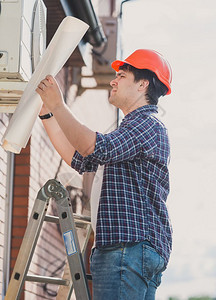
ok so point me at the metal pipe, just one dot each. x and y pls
(84, 10)
(8, 221)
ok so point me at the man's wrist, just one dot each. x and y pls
(46, 116)
(59, 108)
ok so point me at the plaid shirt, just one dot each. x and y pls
(135, 184)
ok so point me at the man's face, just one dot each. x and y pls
(124, 90)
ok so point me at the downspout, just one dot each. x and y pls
(84, 11)
(119, 54)
(8, 222)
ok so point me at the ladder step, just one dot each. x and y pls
(81, 217)
(79, 220)
(51, 219)
(55, 219)
(46, 279)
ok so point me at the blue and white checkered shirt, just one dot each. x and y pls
(135, 186)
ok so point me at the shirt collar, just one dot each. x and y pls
(146, 109)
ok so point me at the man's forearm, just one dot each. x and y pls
(79, 136)
(58, 139)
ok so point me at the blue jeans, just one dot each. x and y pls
(126, 271)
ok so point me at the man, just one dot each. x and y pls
(133, 233)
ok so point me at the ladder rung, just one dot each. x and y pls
(79, 218)
(45, 279)
(51, 219)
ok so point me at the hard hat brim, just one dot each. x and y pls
(117, 63)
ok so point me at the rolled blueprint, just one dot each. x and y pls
(63, 43)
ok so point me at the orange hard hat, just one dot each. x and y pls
(151, 60)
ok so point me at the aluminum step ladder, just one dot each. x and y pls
(55, 190)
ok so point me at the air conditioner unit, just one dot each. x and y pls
(23, 41)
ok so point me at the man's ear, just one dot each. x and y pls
(143, 84)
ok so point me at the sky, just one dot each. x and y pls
(185, 33)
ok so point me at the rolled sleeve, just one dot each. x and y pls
(119, 145)
(90, 163)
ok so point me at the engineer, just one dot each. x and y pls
(133, 238)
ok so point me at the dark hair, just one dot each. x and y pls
(155, 89)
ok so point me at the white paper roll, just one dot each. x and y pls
(63, 43)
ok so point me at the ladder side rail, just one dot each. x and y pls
(73, 251)
(67, 290)
(27, 247)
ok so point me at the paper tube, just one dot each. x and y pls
(63, 43)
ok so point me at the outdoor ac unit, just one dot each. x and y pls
(22, 43)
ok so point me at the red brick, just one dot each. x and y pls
(18, 231)
(22, 170)
(20, 201)
(13, 261)
(21, 180)
(21, 191)
(20, 211)
(16, 242)
(20, 221)
(22, 159)
(14, 252)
